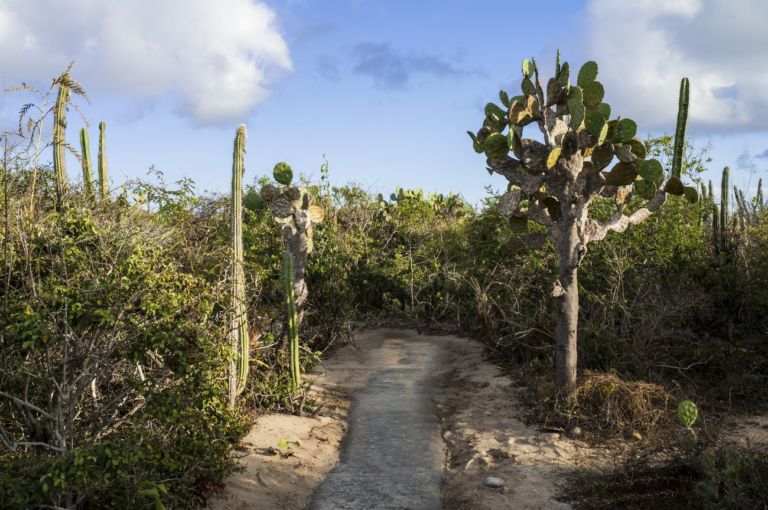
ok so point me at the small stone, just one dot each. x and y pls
(494, 482)
(637, 435)
(576, 431)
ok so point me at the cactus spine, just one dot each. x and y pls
(724, 192)
(103, 178)
(293, 323)
(682, 120)
(239, 339)
(59, 143)
(85, 149)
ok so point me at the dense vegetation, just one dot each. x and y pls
(114, 353)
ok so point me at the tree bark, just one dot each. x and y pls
(566, 294)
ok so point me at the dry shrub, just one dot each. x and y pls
(605, 404)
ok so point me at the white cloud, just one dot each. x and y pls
(216, 57)
(644, 47)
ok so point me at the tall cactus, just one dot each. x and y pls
(724, 192)
(553, 179)
(715, 228)
(293, 323)
(759, 200)
(85, 149)
(682, 120)
(239, 339)
(103, 176)
(59, 141)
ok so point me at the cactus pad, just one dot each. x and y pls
(283, 173)
(651, 170)
(645, 189)
(593, 93)
(527, 86)
(687, 413)
(577, 116)
(674, 186)
(691, 194)
(564, 76)
(624, 131)
(496, 146)
(595, 124)
(493, 109)
(552, 158)
(605, 109)
(621, 174)
(602, 155)
(587, 74)
(527, 68)
(504, 98)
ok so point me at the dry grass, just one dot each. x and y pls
(604, 404)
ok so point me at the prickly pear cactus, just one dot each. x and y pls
(583, 155)
(294, 211)
(687, 413)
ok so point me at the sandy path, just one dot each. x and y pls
(403, 389)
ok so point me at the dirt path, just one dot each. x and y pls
(393, 454)
(387, 401)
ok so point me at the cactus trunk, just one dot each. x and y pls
(293, 322)
(59, 143)
(85, 149)
(239, 338)
(103, 177)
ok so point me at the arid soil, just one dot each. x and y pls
(286, 458)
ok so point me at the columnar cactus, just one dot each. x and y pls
(59, 140)
(724, 221)
(293, 325)
(553, 181)
(103, 177)
(85, 149)
(238, 330)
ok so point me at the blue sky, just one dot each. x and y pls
(385, 89)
